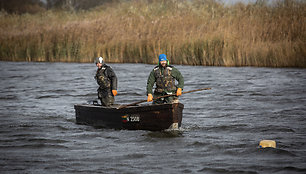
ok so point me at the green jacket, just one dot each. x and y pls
(164, 79)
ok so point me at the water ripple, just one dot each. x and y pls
(220, 132)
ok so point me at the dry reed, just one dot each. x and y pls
(198, 32)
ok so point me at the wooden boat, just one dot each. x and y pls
(146, 117)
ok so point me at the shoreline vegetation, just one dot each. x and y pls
(196, 32)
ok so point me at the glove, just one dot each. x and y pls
(114, 92)
(179, 91)
(150, 98)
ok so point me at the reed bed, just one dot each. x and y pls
(198, 32)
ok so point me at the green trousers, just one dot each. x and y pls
(106, 97)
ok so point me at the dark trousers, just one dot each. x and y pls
(106, 97)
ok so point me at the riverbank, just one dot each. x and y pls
(194, 32)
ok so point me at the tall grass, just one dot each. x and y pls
(198, 32)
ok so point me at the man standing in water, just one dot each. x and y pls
(164, 75)
(107, 81)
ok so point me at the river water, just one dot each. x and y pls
(220, 133)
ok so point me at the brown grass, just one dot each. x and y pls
(190, 32)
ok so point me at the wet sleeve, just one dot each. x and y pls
(112, 76)
(97, 78)
(178, 76)
(150, 82)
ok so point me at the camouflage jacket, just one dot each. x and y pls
(165, 77)
(106, 78)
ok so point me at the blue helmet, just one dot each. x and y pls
(162, 57)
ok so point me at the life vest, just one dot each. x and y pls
(164, 81)
(102, 78)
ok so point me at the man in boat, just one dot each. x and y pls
(164, 75)
(107, 81)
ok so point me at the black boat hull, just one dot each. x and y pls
(147, 117)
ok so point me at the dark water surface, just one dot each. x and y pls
(220, 133)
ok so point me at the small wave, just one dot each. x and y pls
(26, 138)
(15, 76)
(135, 156)
(257, 94)
(44, 140)
(78, 78)
(112, 138)
(60, 91)
(21, 135)
(198, 144)
(275, 151)
(47, 96)
(62, 128)
(64, 95)
(22, 125)
(292, 169)
(187, 127)
(10, 87)
(8, 97)
(234, 95)
(71, 120)
(33, 146)
(232, 128)
(81, 95)
(130, 94)
(165, 134)
(274, 129)
(227, 171)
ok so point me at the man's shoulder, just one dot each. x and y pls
(108, 67)
(171, 67)
(156, 68)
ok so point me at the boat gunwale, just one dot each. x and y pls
(133, 108)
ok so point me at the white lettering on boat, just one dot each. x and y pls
(133, 118)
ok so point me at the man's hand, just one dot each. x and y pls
(150, 98)
(179, 91)
(114, 92)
